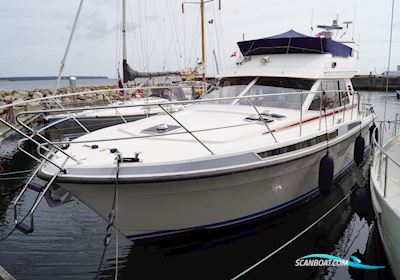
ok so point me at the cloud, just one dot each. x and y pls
(34, 34)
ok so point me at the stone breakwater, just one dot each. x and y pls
(36, 93)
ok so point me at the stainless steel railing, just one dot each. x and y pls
(55, 145)
(382, 158)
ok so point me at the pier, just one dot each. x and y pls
(375, 83)
(4, 275)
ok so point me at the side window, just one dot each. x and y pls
(336, 95)
(316, 104)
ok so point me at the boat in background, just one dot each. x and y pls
(120, 111)
(385, 190)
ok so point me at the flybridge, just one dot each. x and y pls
(294, 42)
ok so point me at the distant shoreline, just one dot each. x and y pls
(43, 78)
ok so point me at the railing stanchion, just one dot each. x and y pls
(334, 108)
(396, 122)
(301, 112)
(262, 119)
(343, 100)
(116, 109)
(385, 179)
(352, 104)
(320, 109)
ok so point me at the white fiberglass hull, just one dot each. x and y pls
(152, 209)
(388, 225)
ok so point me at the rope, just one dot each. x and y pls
(111, 218)
(17, 172)
(14, 178)
(294, 238)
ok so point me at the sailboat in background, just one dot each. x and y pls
(73, 125)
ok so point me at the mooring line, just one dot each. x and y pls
(294, 238)
(111, 219)
(16, 172)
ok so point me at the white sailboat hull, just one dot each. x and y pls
(152, 209)
(389, 229)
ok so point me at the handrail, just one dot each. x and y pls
(183, 102)
(381, 151)
(203, 100)
(376, 144)
(100, 91)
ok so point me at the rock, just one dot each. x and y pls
(23, 94)
(38, 94)
(81, 97)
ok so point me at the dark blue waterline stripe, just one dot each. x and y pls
(244, 218)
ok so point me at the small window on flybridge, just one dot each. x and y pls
(336, 95)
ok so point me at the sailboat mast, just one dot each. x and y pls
(124, 51)
(203, 44)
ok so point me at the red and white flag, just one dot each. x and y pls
(234, 54)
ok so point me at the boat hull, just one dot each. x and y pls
(389, 227)
(153, 209)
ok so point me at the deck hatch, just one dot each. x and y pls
(160, 129)
(255, 117)
(298, 146)
(272, 115)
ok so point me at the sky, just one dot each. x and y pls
(34, 34)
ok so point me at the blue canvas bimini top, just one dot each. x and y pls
(294, 42)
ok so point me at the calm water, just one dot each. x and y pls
(68, 240)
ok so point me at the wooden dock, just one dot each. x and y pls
(4, 275)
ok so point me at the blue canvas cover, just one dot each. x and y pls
(294, 42)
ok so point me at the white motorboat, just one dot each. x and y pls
(385, 194)
(283, 123)
(118, 111)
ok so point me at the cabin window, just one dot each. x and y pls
(265, 87)
(336, 95)
(172, 94)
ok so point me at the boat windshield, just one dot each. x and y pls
(234, 87)
(172, 94)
